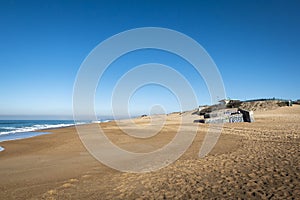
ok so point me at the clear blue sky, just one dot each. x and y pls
(255, 44)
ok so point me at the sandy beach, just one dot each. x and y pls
(259, 160)
(123, 100)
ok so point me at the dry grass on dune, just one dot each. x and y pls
(262, 105)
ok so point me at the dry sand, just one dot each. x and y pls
(250, 161)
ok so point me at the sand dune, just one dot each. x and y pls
(259, 160)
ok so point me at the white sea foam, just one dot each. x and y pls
(11, 130)
(8, 128)
(33, 128)
(15, 133)
(101, 121)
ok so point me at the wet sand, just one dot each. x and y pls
(259, 160)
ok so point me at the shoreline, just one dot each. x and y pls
(21, 135)
(38, 132)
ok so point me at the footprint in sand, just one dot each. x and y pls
(86, 176)
(52, 192)
(73, 180)
(50, 195)
(70, 183)
(67, 185)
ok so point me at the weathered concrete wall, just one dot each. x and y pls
(236, 118)
(225, 119)
(247, 115)
(220, 113)
(228, 115)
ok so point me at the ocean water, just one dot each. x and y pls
(21, 126)
(20, 129)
